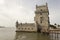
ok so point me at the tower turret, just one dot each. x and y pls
(16, 23)
(42, 17)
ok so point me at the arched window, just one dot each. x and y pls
(32, 28)
(40, 13)
(41, 9)
(25, 28)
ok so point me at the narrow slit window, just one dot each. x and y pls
(40, 19)
(40, 13)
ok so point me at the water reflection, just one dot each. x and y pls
(55, 36)
(10, 34)
(30, 36)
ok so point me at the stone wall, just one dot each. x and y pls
(27, 27)
(42, 17)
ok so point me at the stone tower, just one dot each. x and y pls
(42, 18)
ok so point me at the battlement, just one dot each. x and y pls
(26, 24)
(42, 8)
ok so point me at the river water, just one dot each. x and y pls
(10, 34)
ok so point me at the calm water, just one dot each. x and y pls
(10, 34)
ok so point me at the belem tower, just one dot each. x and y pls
(41, 21)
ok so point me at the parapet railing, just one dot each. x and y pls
(54, 34)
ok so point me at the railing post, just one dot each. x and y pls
(55, 34)
(52, 35)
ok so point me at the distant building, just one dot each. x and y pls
(41, 21)
(57, 26)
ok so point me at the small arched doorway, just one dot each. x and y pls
(39, 28)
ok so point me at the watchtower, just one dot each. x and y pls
(42, 18)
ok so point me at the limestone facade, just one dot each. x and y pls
(41, 21)
(26, 27)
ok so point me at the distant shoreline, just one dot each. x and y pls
(2, 27)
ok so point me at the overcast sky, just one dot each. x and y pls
(23, 11)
